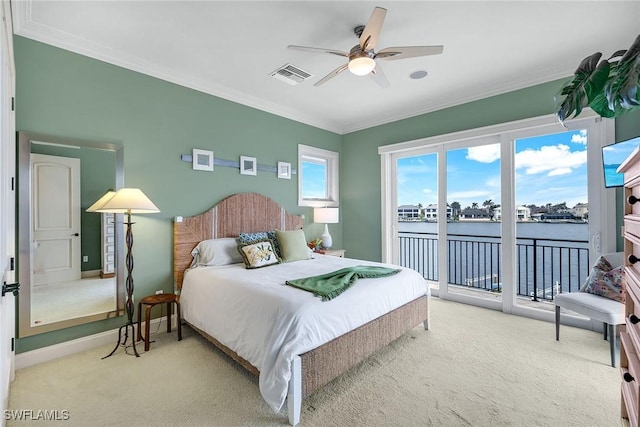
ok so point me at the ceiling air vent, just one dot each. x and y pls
(291, 74)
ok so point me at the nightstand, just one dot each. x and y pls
(332, 252)
(149, 302)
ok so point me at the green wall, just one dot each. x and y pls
(68, 95)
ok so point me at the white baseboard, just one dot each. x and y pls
(90, 273)
(45, 354)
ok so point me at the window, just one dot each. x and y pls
(317, 177)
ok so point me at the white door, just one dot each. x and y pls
(55, 219)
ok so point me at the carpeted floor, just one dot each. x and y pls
(67, 300)
(475, 367)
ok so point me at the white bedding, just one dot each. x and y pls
(267, 322)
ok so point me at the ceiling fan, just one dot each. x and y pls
(362, 57)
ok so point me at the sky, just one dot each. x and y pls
(548, 169)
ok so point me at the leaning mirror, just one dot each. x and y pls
(70, 263)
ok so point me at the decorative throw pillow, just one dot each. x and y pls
(258, 254)
(293, 245)
(603, 264)
(216, 252)
(260, 236)
(608, 284)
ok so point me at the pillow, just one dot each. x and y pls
(216, 252)
(260, 236)
(608, 284)
(603, 264)
(258, 254)
(293, 245)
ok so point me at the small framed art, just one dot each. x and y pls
(202, 160)
(248, 165)
(284, 170)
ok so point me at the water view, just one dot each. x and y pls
(552, 256)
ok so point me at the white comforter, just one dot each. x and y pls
(267, 322)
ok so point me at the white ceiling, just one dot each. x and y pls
(229, 48)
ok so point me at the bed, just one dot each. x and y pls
(304, 357)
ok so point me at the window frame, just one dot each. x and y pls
(307, 153)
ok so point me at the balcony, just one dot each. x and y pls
(545, 266)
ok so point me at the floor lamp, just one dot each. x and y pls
(126, 201)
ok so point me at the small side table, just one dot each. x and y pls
(149, 302)
(332, 252)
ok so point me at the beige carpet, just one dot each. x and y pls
(56, 302)
(476, 367)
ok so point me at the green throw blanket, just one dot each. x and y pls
(330, 285)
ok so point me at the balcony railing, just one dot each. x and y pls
(544, 266)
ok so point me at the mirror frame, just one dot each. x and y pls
(25, 139)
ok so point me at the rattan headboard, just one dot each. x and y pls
(244, 212)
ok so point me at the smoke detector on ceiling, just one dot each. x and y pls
(291, 74)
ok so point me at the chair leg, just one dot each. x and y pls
(604, 326)
(557, 323)
(612, 344)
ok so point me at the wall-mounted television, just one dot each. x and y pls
(612, 156)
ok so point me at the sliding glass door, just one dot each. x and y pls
(502, 217)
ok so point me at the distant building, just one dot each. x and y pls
(581, 210)
(408, 213)
(431, 212)
(474, 214)
(556, 216)
(523, 213)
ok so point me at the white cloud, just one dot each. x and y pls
(484, 153)
(580, 138)
(471, 194)
(560, 171)
(553, 159)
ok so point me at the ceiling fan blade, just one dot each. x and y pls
(371, 32)
(332, 74)
(393, 53)
(319, 50)
(378, 76)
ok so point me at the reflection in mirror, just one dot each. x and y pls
(70, 264)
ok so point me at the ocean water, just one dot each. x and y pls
(560, 257)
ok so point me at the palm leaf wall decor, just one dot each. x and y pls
(608, 86)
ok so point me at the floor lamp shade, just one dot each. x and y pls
(127, 201)
(101, 201)
(326, 216)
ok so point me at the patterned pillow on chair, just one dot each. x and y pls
(606, 281)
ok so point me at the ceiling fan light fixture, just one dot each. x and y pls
(362, 65)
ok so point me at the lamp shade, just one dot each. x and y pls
(101, 201)
(128, 200)
(326, 215)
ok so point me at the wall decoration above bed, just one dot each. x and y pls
(248, 165)
(202, 160)
(284, 170)
(281, 172)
